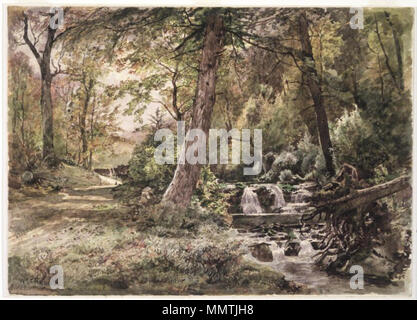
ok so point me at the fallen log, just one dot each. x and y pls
(361, 197)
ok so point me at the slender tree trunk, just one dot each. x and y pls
(186, 175)
(83, 119)
(66, 143)
(15, 99)
(364, 196)
(90, 161)
(313, 84)
(46, 98)
(355, 92)
(400, 71)
(387, 63)
(44, 62)
(47, 116)
(22, 127)
(83, 133)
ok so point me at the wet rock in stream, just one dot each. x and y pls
(292, 248)
(280, 236)
(315, 244)
(262, 252)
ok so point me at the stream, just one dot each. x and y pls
(288, 250)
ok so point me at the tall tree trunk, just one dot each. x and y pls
(387, 63)
(400, 71)
(47, 115)
(22, 126)
(83, 117)
(44, 62)
(186, 175)
(90, 160)
(313, 83)
(361, 197)
(88, 86)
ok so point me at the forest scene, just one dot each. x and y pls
(119, 185)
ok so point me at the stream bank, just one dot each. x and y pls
(277, 239)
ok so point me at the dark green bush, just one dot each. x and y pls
(356, 143)
(144, 171)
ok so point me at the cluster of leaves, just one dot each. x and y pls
(144, 171)
(24, 115)
(208, 192)
(177, 221)
(355, 143)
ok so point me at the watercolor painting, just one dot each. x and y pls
(209, 151)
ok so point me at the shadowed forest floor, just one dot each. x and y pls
(102, 251)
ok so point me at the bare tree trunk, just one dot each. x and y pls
(88, 85)
(47, 117)
(186, 175)
(83, 132)
(22, 126)
(400, 71)
(313, 84)
(362, 197)
(387, 63)
(90, 161)
(44, 62)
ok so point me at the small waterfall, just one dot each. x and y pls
(250, 202)
(306, 249)
(279, 201)
(301, 196)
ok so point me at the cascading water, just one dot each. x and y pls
(279, 201)
(250, 202)
(300, 267)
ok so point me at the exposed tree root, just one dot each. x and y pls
(355, 220)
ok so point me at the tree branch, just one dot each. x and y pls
(28, 42)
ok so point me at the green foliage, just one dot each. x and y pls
(204, 259)
(164, 219)
(285, 161)
(144, 171)
(287, 187)
(391, 125)
(24, 115)
(355, 143)
(194, 248)
(307, 153)
(209, 192)
(286, 176)
(280, 122)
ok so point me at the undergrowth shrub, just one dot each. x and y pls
(144, 171)
(354, 142)
(285, 160)
(209, 192)
(177, 221)
(307, 153)
(286, 176)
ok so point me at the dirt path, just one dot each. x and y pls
(38, 221)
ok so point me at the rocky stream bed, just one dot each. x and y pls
(270, 224)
